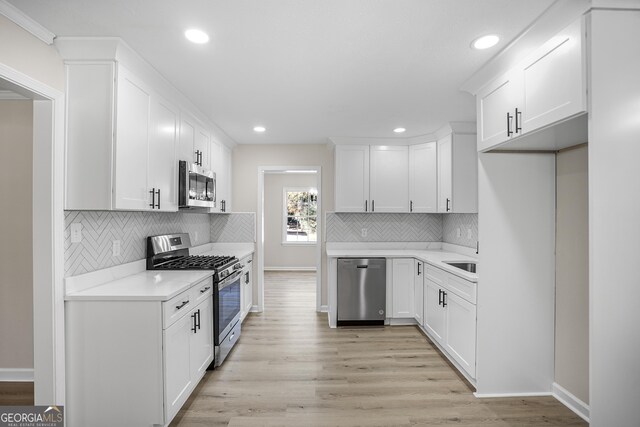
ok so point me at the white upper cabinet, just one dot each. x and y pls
(223, 180)
(163, 167)
(352, 178)
(120, 141)
(202, 149)
(215, 150)
(389, 178)
(546, 88)
(457, 174)
(187, 138)
(423, 178)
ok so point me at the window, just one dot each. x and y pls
(300, 216)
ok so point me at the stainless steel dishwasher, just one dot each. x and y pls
(362, 291)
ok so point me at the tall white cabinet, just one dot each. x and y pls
(457, 173)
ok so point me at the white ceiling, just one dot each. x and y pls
(307, 69)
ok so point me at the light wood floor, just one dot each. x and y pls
(291, 369)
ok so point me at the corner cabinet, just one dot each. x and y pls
(121, 141)
(457, 173)
(547, 87)
(145, 360)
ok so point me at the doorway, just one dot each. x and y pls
(47, 231)
(295, 227)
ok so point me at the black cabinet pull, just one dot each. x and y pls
(509, 131)
(444, 299)
(477, 247)
(373, 206)
(439, 296)
(158, 204)
(198, 319)
(419, 268)
(518, 116)
(194, 327)
(246, 278)
(178, 307)
(448, 202)
(153, 198)
(366, 207)
(411, 206)
(202, 291)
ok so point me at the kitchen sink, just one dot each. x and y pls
(466, 266)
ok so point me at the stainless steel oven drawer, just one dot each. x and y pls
(227, 344)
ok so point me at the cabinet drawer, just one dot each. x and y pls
(463, 288)
(177, 307)
(201, 291)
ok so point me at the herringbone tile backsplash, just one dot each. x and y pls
(234, 228)
(101, 228)
(347, 227)
(450, 225)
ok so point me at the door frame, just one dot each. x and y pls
(260, 235)
(48, 233)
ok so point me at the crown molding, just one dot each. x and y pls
(19, 18)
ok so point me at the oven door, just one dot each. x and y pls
(228, 305)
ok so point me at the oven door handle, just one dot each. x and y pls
(229, 279)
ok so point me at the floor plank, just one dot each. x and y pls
(16, 393)
(291, 369)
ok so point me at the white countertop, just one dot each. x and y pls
(435, 257)
(133, 282)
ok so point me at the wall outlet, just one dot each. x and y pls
(458, 232)
(116, 248)
(76, 232)
(364, 232)
(469, 233)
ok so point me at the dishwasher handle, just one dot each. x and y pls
(363, 266)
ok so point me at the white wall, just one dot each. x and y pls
(24, 52)
(572, 272)
(614, 218)
(247, 159)
(16, 261)
(277, 255)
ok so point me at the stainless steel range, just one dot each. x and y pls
(171, 252)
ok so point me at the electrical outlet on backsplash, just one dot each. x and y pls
(452, 223)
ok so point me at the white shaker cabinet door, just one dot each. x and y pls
(461, 332)
(496, 105)
(445, 174)
(418, 292)
(132, 141)
(554, 80)
(201, 339)
(389, 178)
(187, 138)
(402, 288)
(163, 165)
(177, 359)
(352, 178)
(434, 314)
(202, 147)
(423, 178)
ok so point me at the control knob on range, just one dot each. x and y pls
(238, 266)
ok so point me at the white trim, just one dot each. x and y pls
(324, 309)
(16, 375)
(491, 395)
(260, 234)
(290, 269)
(567, 398)
(48, 237)
(19, 18)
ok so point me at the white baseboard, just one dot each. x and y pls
(533, 394)
(324, 309)
(290, 269)
(254, 309)
(16, 375)
(570, 401)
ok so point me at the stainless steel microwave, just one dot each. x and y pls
(196, 187)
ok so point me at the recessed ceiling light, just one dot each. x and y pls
(259, 129)
(485, 42)
(399, 130)
(196, 36)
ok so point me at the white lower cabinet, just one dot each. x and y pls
(450, 316)
(142, 357)
(418, 292)
(402, 288)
